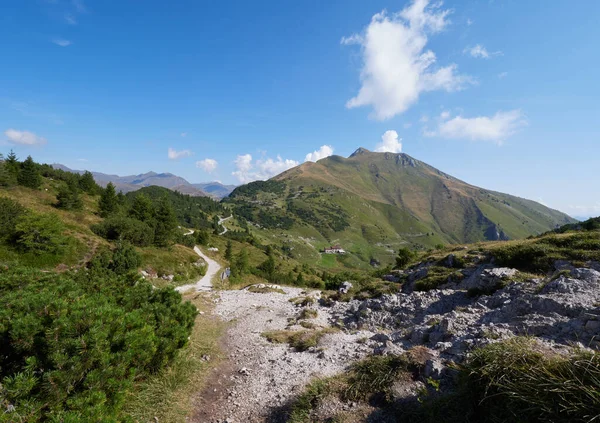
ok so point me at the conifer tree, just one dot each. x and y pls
(166, 223)
(142, 209)
(108, 204)
(68, 197)
(87, 183)
(228, 251)
(12, 164)
(29, 175)
(6, 177)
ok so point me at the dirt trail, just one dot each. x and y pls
(205, 283)
(260, 378)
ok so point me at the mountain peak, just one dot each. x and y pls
(360, 151)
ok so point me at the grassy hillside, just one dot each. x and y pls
(374, 203)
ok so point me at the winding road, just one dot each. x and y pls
(205, 283)
(221, 220)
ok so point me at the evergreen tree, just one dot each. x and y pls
(121, 199)
(87, 183)
(216, 226)
(142, 209)
(6, 177)
(202, 237)
(300, 279)
(228, 251)
(108, 204)
(240, 264)
(10, 213)
(29, 175)
(68, 197)
(268, 267)
(405, 256)
(12, 164)
(166, 223)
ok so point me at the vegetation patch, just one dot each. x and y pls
(265, 289)
(510, 381)
(538, 255)
(437, 276)
(168, 395)
(75, 343)
(300, 340)
(308, 313)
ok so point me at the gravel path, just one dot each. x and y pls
(221, 220)
(205, 283)
(260, 378)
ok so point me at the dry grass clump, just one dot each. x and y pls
(301, 340)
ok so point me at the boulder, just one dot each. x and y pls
(487, 279)
(345, 287)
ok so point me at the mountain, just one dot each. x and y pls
(216, 189)
(379, 201)
(166, 180)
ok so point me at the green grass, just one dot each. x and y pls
(538, 255)
(177, 260)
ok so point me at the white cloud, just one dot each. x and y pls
(261, 169)
(482, 128)
(79, 6)
(396, 67)
(208, 165)
(480, 52)
(445, 114)
(24, 137)
(321, 153)
(407, 125)
(71, 20)
(502, 75)
(176, 155)
(184, 134)
(83, 160)
(470, 22)
(62, 42)
(390, 143)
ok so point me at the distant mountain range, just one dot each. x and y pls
(166, 180)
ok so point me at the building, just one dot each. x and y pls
(334, 249)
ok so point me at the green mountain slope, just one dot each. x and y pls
(375, 202)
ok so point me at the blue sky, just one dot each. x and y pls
(502, 94)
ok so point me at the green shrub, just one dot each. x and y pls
(39, 233)
(73, 344)
(10, 213)
(125, 229)
(125, 258)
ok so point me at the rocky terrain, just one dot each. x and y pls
(261, 377)
(561, 310)
(488, 305)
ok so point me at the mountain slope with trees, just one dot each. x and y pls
(371, 202)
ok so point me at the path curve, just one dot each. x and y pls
(205, 283)
(221, 220)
